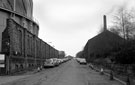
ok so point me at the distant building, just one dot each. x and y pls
(61, 54)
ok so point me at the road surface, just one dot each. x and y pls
(69, 73)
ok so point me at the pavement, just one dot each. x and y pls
(69, 73)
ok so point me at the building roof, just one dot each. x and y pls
(103, 42)
(23, 7)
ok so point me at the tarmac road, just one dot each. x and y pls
(69, 73)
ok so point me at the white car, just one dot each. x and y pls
(81, 60)
(59, 61)
(55, 61)
(49, 63)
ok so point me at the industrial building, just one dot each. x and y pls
(102, 44)
(19, 10)
(20, 47)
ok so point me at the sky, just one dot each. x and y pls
(68, 24)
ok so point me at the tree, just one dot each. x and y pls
(79, 54)
(124, 23)
(125, 54)
(115, 30)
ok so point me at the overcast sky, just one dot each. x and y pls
(68, 24)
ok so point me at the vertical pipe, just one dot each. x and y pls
(14, 5)
(105, 23)
(14, 8)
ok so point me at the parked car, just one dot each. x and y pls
(55, 61)
(49, 63)
(81, 60)
(59, 61)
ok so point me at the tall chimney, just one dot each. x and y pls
(105, 23)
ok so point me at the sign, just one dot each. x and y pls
(2, 60)
(2, 57)
(2, 65)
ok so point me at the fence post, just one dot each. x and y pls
(128, 77)
(128, 81)
(111, 75)
(102, 71)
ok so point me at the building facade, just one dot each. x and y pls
(23, 50)
(19, 40)
(102, 44)
(19, 10)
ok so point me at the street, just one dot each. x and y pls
(69, 73)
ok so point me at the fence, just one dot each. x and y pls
(121, 71)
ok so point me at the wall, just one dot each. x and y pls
(23, 7)
(27, 24)
(23, 49)
(3, 17)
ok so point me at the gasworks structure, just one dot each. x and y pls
(19, 42)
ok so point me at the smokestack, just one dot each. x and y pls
(105, 23)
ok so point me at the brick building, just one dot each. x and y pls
(19, 40)
(19, 10)
(102, 44)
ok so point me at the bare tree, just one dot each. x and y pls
(115, 30)
(124, 23)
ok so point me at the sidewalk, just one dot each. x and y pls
(10, 78)
(116, 77)
(5, 79)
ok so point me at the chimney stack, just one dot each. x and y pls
(105, 23)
